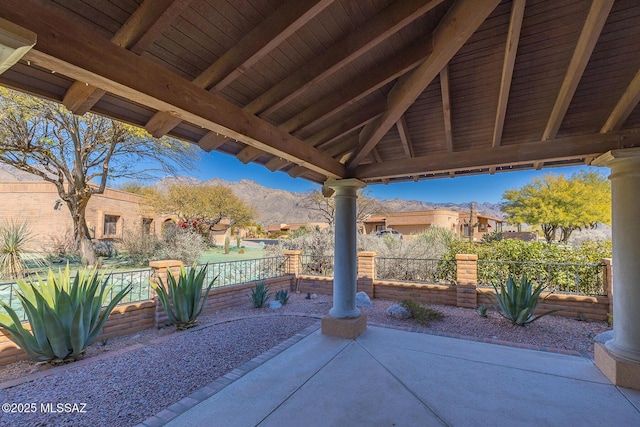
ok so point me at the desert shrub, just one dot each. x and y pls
(105, 249)
(141, 247)
(185, 245)
(15, 256)
(536, 259)
(421, 314)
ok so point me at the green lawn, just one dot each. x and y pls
(218, 255)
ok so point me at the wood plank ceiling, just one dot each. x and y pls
(378, 90)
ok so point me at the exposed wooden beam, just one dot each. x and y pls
(361, 86)
(331, 133)
(297, 171)
(99, 62)
(209, 142)
(515, 154)
(510, 50)
(376, 156)
(446, 108)
(265, 37)
(377, 29)
(81, 97)
(586, 42)
(355, 90)
(624, 107)
(160, 124)
(405, 138)
(457, 26)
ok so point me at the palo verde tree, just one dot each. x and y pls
(80, 154)
(560, 204)
(202, 207)
(325, 207)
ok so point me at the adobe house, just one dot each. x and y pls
(279, 229)
(350, 93)
(24, 197)
(416, 222)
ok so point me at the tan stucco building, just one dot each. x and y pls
(417, 222)
(109, 215)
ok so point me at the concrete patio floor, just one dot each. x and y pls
(388, 377)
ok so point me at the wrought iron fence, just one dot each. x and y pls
(140, 291)
(584, 279)
(242, 271)
(433, 271)
(314, 265)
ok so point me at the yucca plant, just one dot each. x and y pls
(65, 314)
(181, 298)
(518, 302)
(14, 237)
(260, 295)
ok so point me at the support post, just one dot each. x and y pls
(344, 319)
(467, 280)
(159, 271)
(619, 358)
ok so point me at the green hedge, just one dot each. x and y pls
(561, 268)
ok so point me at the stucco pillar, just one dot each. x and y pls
(624, 349)
(345, 273)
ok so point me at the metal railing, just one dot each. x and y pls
(140, 291)
(584, 279)
(431, 271)
(242, 271)
(314, 265)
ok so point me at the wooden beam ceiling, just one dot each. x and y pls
(510, 50)
(624, 107)
(256, 44)
(354, 90)
(446, 108)
(405, 137)
(516, 154)
(83, 55)
(149, 20)
(458, 25)
(586, 42)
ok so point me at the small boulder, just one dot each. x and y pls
(314, 296)
(363, 300)
(399, 311)
(274, 305)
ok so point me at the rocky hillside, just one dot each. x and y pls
(281, 206)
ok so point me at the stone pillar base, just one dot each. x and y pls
(344, 328)
(621, 372)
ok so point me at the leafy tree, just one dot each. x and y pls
(202, 207)
(325, 207)
(557, 203)
(80, 154)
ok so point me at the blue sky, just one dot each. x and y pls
(478, 188)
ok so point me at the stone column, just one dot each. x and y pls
(345, 263)
(623, 351)
(366, 272)
(467, 280)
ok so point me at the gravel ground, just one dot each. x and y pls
(128, 387)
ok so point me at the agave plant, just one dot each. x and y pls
(181, 298)
(518, 302)
(65, 314)
(260, 295)
(282, 296)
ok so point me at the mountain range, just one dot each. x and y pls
(275, 206)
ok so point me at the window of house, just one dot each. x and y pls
(379, 227)
(110, 224)
(146, 225)
(482, 227)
